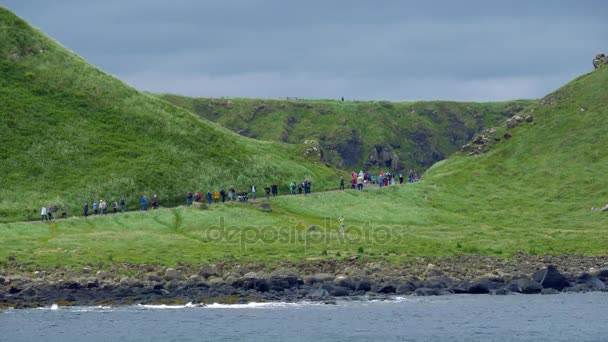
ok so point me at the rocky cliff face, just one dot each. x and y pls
(600, 60)
(354, 135)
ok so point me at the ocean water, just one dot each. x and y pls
(563, 317)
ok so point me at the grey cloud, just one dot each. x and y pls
(396, 50)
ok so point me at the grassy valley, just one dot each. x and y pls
(358, 134)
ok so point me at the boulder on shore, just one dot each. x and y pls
(550, 277)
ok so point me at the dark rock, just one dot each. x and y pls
(11, 258)
(73, 285)
(364, 285)
(93, 284)
(28, 292)
(527, 286)
(405, 288)
(261, 285)
(152, 277)
(576, 288)
(173, 274)
(551, 278)
(209, 271)
(328, 287)
(425, 292)
(602, 274)
(345, 282)
(283, 277)
(460, 288)
(592, 282)
(318, 294)
(14, 290)
(319, 278)
(313, 228)
(340, 291)
(387, 289)
(480, 287)
(514, 286)
(549, 291)
(437, 282)
(503, 292)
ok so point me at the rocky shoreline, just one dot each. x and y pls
(116, 284)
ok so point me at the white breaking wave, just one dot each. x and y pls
(163, 306)
(255, 305)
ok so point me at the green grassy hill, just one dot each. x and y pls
(530, 194)
(76, 133)
(71, 133)
(367, 135)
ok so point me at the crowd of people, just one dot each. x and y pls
(48, 211)
(358, 181)
(101, 207)
(232, 195)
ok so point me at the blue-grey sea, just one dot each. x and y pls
(563, 317)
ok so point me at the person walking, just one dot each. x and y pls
(292, 188)
(360, 182)
(400, 177)
(95, 207)
(341, 219)
(104, 207)
(43, 215)
(342, 183)
(275, 189)
(232, 194)
(223, 195)
(144, 203)
(154, 202)
(253, 191)
(300, 187)
(373, 178)
(86, 209)
(189, 198)
(216, 197)
(267, 191)
(115, 207)
(64, 212)
(209, 197)
(123, 205)
(49, 213)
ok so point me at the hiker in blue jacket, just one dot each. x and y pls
(144, 203)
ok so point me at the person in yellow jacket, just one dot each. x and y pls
(216, 196)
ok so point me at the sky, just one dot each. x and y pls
(467, 50)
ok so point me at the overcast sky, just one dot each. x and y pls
(480, 50)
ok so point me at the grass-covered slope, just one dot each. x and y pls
(70, 134)
(530, 194)
(356, 134)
